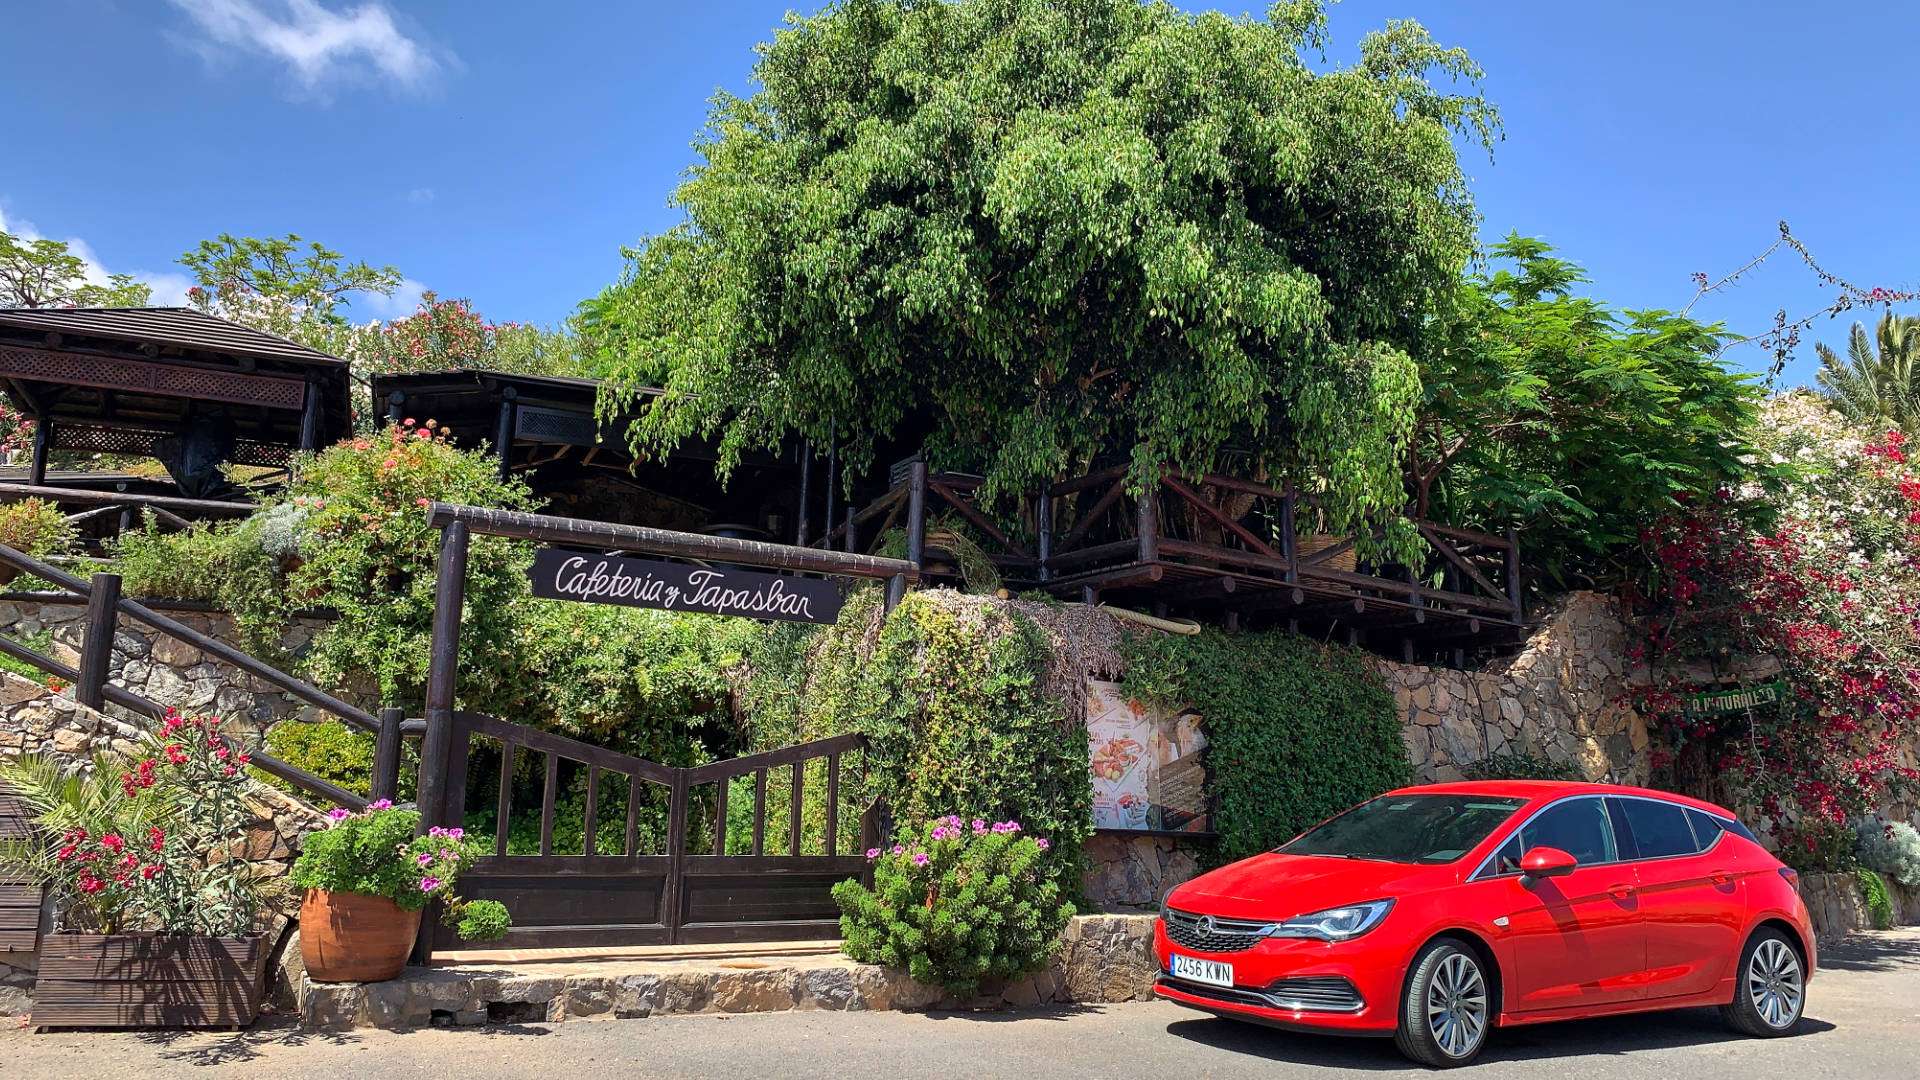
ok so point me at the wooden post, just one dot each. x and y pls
(671, 911)
(1289, 545)
(1147, 524)
(1043, 529)
(806, 493)
(503, 433)
(96, 655)
(443, 666)
(916, 530)
(386, 756)
(42, 444)
(1513, 572)
(310, 418)
(826, 524)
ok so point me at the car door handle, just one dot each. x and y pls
(1720, 877)
(1621, 891)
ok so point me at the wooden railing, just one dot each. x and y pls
(168, 509)
(685, 889)
(91, 687)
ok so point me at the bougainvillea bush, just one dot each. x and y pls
(375, 853)
(155, 844)
(1829, 588)
(956, 904)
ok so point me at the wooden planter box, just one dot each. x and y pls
(149, 980)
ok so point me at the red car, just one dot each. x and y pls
(1434, 913)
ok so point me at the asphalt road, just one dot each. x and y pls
(1863, 1021)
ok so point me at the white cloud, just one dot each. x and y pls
(318, 44)
(169, 287)
(404, 301)
(420, 196)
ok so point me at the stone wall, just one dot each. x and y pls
(1132, 871)
(163, 669)
(1837, 906)
(1557, 698)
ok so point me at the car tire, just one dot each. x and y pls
(1448, 1007)
(1770, 993)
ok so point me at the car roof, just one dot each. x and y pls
(1540, 791)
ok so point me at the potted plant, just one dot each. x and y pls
(157, 914)
(367, 878)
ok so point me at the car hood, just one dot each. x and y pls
(1272, 887)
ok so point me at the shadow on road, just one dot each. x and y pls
(206, 1048)
(1872, 952)
(1607, 1037)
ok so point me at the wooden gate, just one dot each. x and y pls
(661, 886)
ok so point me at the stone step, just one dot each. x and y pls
(1103, 958)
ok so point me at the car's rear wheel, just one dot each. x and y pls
(1773, 987)
(1446, 1009)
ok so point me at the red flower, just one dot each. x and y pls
(112, 843)
(156, 838)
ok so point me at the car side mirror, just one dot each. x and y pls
(1546, 862)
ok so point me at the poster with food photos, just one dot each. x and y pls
(1146, 764)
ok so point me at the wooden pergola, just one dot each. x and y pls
(176, 384)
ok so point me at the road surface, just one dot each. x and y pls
(1863, 1021)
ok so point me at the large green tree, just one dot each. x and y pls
(1878, 384)
(1061, 228)
(1583, 425)
(43, 273)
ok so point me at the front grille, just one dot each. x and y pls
(1317, 993)
(1208, 933)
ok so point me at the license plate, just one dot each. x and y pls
(1211, 972)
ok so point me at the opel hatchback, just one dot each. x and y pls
(1434, 914)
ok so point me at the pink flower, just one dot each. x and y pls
(428, 884)
(1042, 842)
(380, 804)
(872, 852)
(920, 859)
(339, 813)
(422, 859)
(898, 850)
(456, 834)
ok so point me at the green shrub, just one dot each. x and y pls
(337, 753)
(1890, 847)
(221, 564)
(35, 527)
(1523, 765)
(956, 905)
(1297, 731)
(1817, 847)
(375, 853)
(1879, 903)
(41, 643)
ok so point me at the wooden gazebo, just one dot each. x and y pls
(176, 384)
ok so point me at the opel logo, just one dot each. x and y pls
(1206, 924)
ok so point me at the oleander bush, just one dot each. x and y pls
(1890, 847)
(956, 904)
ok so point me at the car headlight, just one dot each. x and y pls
(1335, 924)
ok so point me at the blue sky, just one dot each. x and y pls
(505, 151)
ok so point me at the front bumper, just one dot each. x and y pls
(1267, 975)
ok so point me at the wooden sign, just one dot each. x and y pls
(1739, 699)
(712, 590)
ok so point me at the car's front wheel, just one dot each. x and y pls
(1773, 987)
(1446, 1010)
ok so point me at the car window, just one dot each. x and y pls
(1507, 859)
(1409, 828)
(1660, 829)
(1578, 827)
(1706, 827)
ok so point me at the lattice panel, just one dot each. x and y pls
(140, 376)
(104, 440)
(555, 426)
(248, 452)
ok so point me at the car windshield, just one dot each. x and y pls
(1428, 829)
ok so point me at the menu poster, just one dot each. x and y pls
(1146, 764)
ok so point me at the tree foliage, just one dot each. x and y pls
(1878, 384)
(1550, 411)
(43, 273)
(1048, 230)
(237, 274)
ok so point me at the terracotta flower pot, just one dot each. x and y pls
(347, 937)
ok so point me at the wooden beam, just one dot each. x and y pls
(1086, 521)
(80, 496)
(972, 513)
(1221, 518)
(606, 536)
(1459, 561)
(1090, 480)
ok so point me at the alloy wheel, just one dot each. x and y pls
(1775, 983)
(1457, 1005)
